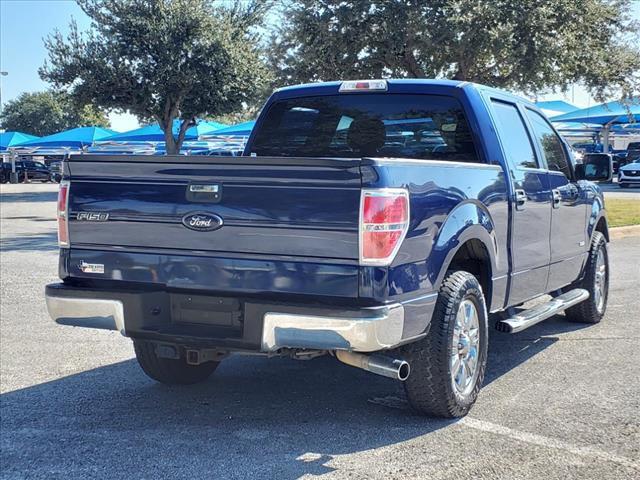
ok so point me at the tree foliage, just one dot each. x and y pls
(528, 45)
(44, 113)
(162, 59)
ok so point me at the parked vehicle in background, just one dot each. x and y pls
(589, 147)
(5, 172)
(55, 168)
(633, 151)
(386, 223)
(26, 169)
(618, 160)
(629, 174)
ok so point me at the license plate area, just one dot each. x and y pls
(223, 313)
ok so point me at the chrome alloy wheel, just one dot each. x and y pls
(464, 348)
(600, 281)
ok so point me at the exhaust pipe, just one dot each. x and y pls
(378, 364)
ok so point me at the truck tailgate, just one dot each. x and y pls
(294, 207)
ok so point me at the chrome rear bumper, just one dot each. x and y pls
(380, 328)
(87, 312)
(265, 327)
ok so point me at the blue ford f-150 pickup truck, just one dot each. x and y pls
(387, 223)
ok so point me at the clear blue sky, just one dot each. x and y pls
(24, 24)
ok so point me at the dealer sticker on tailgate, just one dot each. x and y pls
(91, 267)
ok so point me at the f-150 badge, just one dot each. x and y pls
(92, 216)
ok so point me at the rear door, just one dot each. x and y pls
(531, 212)
(568, 241)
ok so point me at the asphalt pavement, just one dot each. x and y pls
(560, 400)
(613, 190)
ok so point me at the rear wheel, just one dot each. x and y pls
(596, 282)
(448, 365)
(169, 371)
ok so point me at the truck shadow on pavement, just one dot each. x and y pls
(35, 242)
(36, 196)
(255, 418)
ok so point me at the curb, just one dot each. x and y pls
(622, 232)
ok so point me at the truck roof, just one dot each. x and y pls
(405, 85)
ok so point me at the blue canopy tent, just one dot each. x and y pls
(153, 133)
(75, 138)
(10, 139)
(556, 107)
(605, 115)
(241, 129)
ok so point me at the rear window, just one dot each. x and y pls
(367, 125)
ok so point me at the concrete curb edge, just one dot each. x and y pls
(621, 232)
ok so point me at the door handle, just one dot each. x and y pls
(521, 199)
(557, 197)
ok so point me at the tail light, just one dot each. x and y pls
(384, 221)
(63, 214)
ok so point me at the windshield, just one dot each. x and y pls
(32, 164)
(367, 125)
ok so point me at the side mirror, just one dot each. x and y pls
(597, 167)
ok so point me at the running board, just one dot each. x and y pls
(528, 318)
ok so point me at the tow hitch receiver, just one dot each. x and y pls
(192, 356)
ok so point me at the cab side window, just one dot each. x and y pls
(550, 144)
(514, 136)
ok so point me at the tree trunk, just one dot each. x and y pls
(411, 62)
(166, 124)
(460, 73)
(171, 146)
(186, 123)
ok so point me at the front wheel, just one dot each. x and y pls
(596, 282)
(169, 371)
(448, 365)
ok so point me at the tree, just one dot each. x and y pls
(44, 113)
(528, 45)
(162, 59)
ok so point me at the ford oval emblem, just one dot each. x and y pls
(202, 222)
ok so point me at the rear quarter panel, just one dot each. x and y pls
(450, 203)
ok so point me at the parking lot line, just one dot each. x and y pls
(548, 442)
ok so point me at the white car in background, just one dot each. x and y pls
(629, 174)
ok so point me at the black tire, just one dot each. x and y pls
(430, 387)
(168, 371)
(589, 311)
